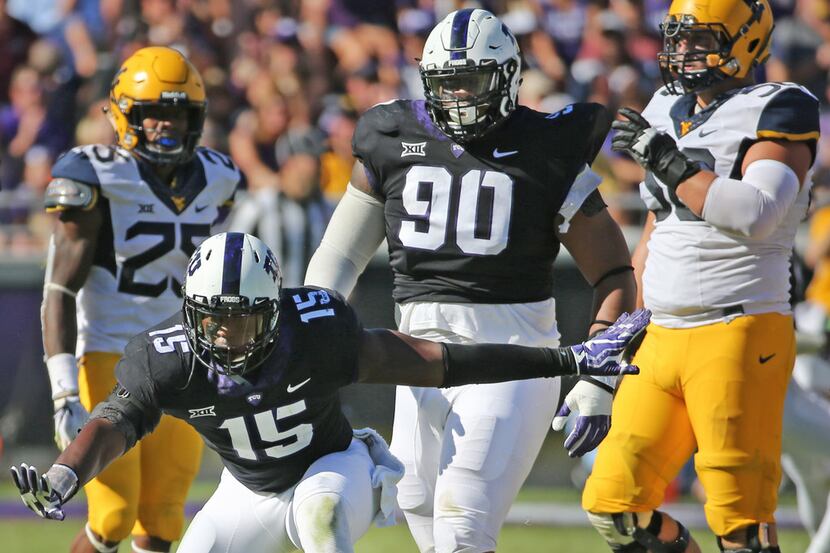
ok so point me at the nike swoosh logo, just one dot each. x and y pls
(701, 134)
(200, 208)
(497, 154)
(762, 359)
(291, 389)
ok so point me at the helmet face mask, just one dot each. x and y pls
(231, 337)
(691, 54)
(172, 144)
(159, 84)
(470, 72)
(231, 303)
(708, 41)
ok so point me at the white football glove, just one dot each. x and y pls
(591, 400)
(46, 493)
(70, 415)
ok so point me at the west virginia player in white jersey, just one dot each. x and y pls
(131, 214)
(728, 167)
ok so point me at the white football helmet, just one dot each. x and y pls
(470, 71)
(231, 302)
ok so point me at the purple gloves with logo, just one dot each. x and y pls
(602, 357)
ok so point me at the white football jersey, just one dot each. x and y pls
(149, 232)
(695, 273)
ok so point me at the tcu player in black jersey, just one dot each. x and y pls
(256, 370)
(474, 195)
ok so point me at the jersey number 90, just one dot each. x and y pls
(482, 218)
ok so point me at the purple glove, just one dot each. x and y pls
(603, 354)
(591, 399)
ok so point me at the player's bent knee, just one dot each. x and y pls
(97, 543)
(322, 524)
(113, 525)
(623, 533)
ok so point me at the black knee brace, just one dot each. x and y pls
(753, 543)
(646, 538)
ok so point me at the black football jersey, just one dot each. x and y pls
(475, 222)
(271, 425)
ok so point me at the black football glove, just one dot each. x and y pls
(46, 493)
(655, 151)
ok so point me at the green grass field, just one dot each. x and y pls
(39, 536)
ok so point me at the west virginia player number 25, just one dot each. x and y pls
(130, 216)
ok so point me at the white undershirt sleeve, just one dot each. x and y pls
(352, 237)
(755, 206)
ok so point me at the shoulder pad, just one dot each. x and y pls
(65, 194)
(586, 125)
(76, 165)
(212, 157)
(386, 116)
(381, 119)
(791, 114)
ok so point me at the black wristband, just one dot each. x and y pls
(668, 163)
(487, 363)
(600, 383)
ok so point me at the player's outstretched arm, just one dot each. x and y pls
(390, 357)
(99, 443)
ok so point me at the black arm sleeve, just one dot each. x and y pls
(593, 204)
(130, 416)
(486, 363)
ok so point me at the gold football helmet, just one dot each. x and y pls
(159, 83)
(705, 41)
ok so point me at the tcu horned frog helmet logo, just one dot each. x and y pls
(231, 302)
(157, 82)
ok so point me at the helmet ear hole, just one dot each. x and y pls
(753, 44)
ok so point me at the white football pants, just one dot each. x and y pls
(326, 512)
(466, 452)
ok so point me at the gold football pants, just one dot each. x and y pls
(143, 492)
(716, 389)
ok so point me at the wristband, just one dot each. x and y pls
(63, 375)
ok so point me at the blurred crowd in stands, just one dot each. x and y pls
(287, 79)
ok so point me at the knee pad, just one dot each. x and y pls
(321, 519)
(99, 545)
(754, 543)
(623, 534)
